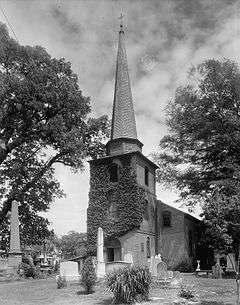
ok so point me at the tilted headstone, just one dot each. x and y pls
(69, 271)
(231, 262)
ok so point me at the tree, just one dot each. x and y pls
(201, 156)
(44, 120)
(73, 244)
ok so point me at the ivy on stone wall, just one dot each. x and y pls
(125, 195)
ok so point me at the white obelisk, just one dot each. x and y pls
(100, 259)
(15, 254)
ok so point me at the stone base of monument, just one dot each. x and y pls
(14, 260)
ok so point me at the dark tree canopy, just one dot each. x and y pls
(201, 154)
(203, 146)
(73, 244)
(44, 120)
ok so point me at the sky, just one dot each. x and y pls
(164, 39)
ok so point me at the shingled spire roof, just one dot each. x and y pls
(123, 118)
(124, 131)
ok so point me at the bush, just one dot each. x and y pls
(27, 270)
(184, 266)
(89, 278)
(187, 292)
(129, 284)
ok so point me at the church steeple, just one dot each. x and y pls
(123, 131)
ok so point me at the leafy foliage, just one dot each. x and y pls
(203, 145)
(184, 266)
(89, 278)
(125, 195)
(202, 153)
(73, 244)
(129, 284)
(43, 121)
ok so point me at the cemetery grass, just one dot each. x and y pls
(44, 292)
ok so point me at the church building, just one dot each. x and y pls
(122, 197)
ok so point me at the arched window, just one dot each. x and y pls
(148, 248)
(146, 172)
(113, 172)
(167, 219)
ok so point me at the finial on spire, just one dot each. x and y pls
(121, 21)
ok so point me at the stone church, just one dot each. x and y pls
(161, 229)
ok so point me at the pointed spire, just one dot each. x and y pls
(123, 118)
(124, 131)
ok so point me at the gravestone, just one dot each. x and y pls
(154, 261)
(231, 262)
(100, 260)
(69, 271)
(162, 272)
(217, 271)
(15, 254)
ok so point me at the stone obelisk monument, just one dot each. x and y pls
(100, 259)
(15, 254)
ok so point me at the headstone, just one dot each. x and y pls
(154, 261)
(69, 271)
(217, 271)
(15, 254)
(231, 262)
(100, 260)
(162, 272)
(128, 258)
(176, 279)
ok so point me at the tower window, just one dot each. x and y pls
(113, 172)
(146, 175)
(167, 219)
(148, 248)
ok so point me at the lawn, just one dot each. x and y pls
(44, 292)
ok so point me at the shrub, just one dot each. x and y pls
(129, 284)
(187, 292)
(61, 282)
(184, 266)
(89, 278)
(27, 270)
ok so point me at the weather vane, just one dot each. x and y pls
(121, 20)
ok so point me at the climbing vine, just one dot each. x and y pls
(125, 195)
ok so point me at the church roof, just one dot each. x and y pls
(123, 118)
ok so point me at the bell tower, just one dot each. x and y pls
(122, 197)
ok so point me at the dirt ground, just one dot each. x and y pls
(44, 292)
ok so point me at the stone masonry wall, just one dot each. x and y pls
(172, 244)
(135, 242)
